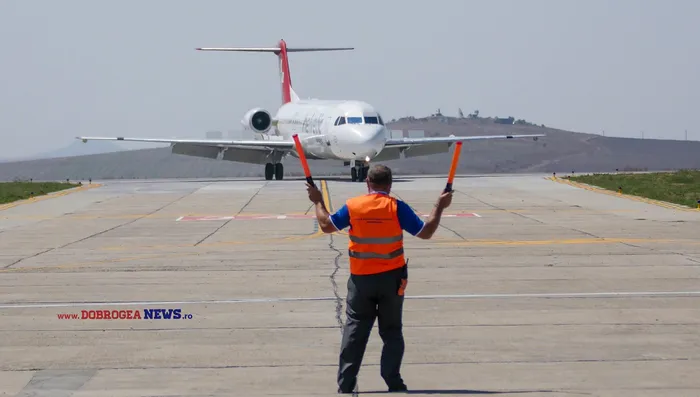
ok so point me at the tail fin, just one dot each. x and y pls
(288, 94)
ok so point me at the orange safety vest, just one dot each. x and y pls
(376, 237)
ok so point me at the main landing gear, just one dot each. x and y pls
(276, 170)
(358, 173)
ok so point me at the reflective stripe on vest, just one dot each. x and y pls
(376, 237)
(376, 240)
(374, 255)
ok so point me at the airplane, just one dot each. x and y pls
(351, 131)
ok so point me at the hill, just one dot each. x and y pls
(74, 149)
(560, 151)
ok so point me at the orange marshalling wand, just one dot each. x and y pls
(453, 167)
(302, 157)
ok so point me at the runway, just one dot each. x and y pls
(227, 287)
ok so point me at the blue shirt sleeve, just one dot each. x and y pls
(408, 219)
(341, 218)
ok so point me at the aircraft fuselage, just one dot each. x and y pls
(333, 130)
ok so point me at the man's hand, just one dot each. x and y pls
(322, 215)
(314, 194)
(444, 200)
(433, 221)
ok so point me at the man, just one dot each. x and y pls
(378, 271)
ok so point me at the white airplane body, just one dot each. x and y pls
(347, 130)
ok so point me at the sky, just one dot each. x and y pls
(129, 68)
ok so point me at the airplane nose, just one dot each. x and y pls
(368, 140)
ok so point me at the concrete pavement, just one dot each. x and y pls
(532, 287)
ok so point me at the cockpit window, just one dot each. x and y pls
(360, 120)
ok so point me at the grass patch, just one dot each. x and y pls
(681, 187)
(14, 191)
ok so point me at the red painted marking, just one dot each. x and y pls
(295, 216)
(284, 70)
(243, 217)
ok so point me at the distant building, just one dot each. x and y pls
(509, 120)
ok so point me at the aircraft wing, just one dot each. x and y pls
(415, 147)
(409, 142)
(242, 144)
(243, 151)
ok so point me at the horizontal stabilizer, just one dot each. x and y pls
(274, 49)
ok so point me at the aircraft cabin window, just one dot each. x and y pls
(371, 120)
(354, 120)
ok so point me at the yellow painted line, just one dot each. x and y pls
(327, 201)
(48, 196)
(576, 241)
(640, 199)
(74, 265)
(214, 244)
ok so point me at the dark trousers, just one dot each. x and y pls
(369, 297)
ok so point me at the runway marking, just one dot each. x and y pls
(291, 216)
(242, 217)
(573, 295)
(460, 215)
(60, 193)
(640, 199)
(569, 241)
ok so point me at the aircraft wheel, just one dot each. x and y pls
(362, 174)
(353, 174)
(269, 171)
(279, 171)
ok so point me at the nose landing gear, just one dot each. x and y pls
(358, 172)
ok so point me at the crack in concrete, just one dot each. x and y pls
(421, 363)
(238, 213)
(103, 231)
(648, 249)
(440, 225)
(336, 267)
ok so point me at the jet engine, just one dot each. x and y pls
(258, 120)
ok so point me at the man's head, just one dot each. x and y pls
(379, 178)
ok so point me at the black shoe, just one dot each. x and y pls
(398, 388)
(348, 391)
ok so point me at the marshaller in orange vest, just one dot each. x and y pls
(378, 271)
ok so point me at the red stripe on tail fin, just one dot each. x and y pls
(286, 79)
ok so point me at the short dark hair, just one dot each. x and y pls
(379, 175)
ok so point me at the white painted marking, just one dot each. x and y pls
(178, 219)
(332, 298)
(463, 215)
